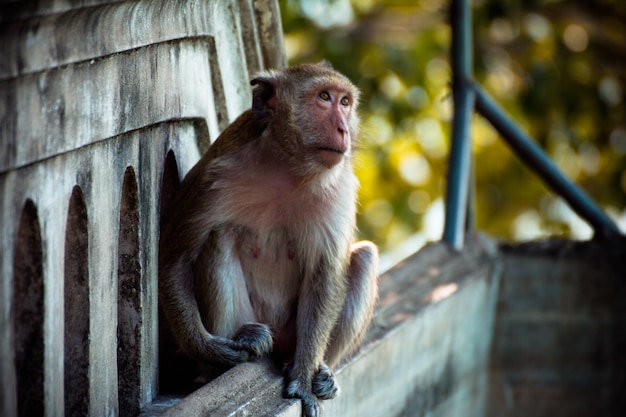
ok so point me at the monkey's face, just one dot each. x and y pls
(325, 116)
(312, 113)
(331, 114)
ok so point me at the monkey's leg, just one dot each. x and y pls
(359, 305)
(355, 316)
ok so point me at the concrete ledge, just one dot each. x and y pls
(426, 352)
(75, 110)
(47, 41)
(128, 72)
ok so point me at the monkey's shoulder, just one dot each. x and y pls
(246, 129)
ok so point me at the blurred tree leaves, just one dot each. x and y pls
(558, 67)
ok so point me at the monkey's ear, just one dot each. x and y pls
(264, 94)
(326, 64)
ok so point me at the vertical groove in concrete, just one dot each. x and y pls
(129, 306)
(169, 186)
(76, 308)
(28, 288)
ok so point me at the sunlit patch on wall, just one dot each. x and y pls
(443, 291)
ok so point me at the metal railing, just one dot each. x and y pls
(469, 97)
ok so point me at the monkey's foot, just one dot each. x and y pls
(256, 338)
(325, 386)
(295, 389)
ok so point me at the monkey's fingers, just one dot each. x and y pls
(256, 338)
(225, 352)
(325, 386)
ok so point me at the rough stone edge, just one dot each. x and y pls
(564, 248)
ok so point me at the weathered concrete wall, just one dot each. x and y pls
(560, 335)
(426, 353)
(93, 96)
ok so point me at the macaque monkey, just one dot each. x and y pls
(258, 257)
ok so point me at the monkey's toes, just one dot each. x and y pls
(310, 405)
(256, 338)
(325, 386)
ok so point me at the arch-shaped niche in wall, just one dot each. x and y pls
(176, 371)
(28, 292)
(129, 314)
(76, 296)
(169, 187)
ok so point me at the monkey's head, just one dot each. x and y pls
(311, 114)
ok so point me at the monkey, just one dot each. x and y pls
(259, 256)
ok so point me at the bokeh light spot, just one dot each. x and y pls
(575, 37)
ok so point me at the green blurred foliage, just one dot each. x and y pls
(558, 68)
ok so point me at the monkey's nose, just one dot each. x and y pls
(343, 132)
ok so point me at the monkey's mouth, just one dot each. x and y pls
(329, 149)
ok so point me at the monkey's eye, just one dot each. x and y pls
(325, 96)
(345, 101)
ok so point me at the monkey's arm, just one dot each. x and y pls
(181, 243)
(185, 256)
(181, 311)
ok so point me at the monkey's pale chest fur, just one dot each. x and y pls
(277, 223)
(272, 273)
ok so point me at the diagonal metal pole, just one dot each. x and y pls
(533, 156)
(459, 169)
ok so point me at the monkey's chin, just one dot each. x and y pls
(330, 157)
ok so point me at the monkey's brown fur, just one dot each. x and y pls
(258, 256)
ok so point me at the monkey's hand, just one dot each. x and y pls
(256, 338)
(252, 340)
(323, 386)
(219, 351)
